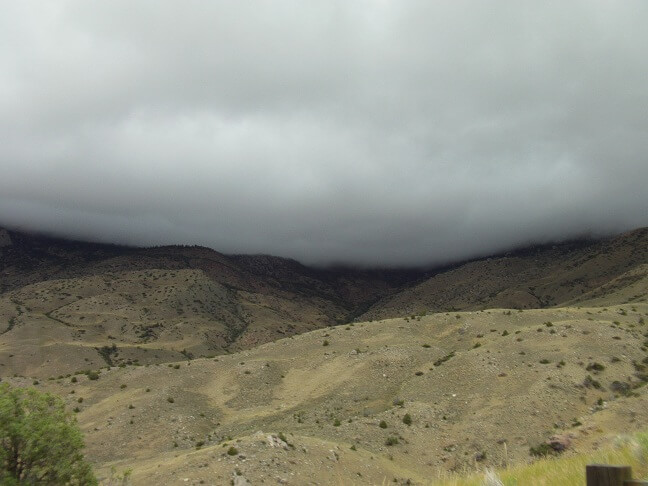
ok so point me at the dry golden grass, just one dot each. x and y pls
(567, 471)
(326, 399)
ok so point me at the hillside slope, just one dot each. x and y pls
(481, 388)
(199, 354)
(83, 305)
(70, 299)
(536, 277)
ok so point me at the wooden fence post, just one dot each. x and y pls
(604, 475)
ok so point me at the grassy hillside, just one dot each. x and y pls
(481, 388)
(628, 450)
(199, 368)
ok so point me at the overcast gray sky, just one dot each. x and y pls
(357, 131)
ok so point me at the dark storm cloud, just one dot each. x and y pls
(369, 132)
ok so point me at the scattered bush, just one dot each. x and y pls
(590, 382)
(542, 450)
(596, 367)
(440, 361)
(391, 441)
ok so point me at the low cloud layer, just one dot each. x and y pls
(355, 131)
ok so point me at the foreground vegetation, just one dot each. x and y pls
(566, 471)
(40, 442)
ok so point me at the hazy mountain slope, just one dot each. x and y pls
(471, 383)
(531, 278)
(629, 287)
(66, 301)
(63, 297)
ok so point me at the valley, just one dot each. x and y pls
(192, 367)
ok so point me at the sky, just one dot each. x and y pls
(375, 133)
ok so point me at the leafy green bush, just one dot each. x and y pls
(40, 443)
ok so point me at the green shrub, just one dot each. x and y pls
(590, 382)
(595, 367)
(407, 419)
(232, 451)
(382, 424)
(440, 361)
(391, 441)
(541, 450)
